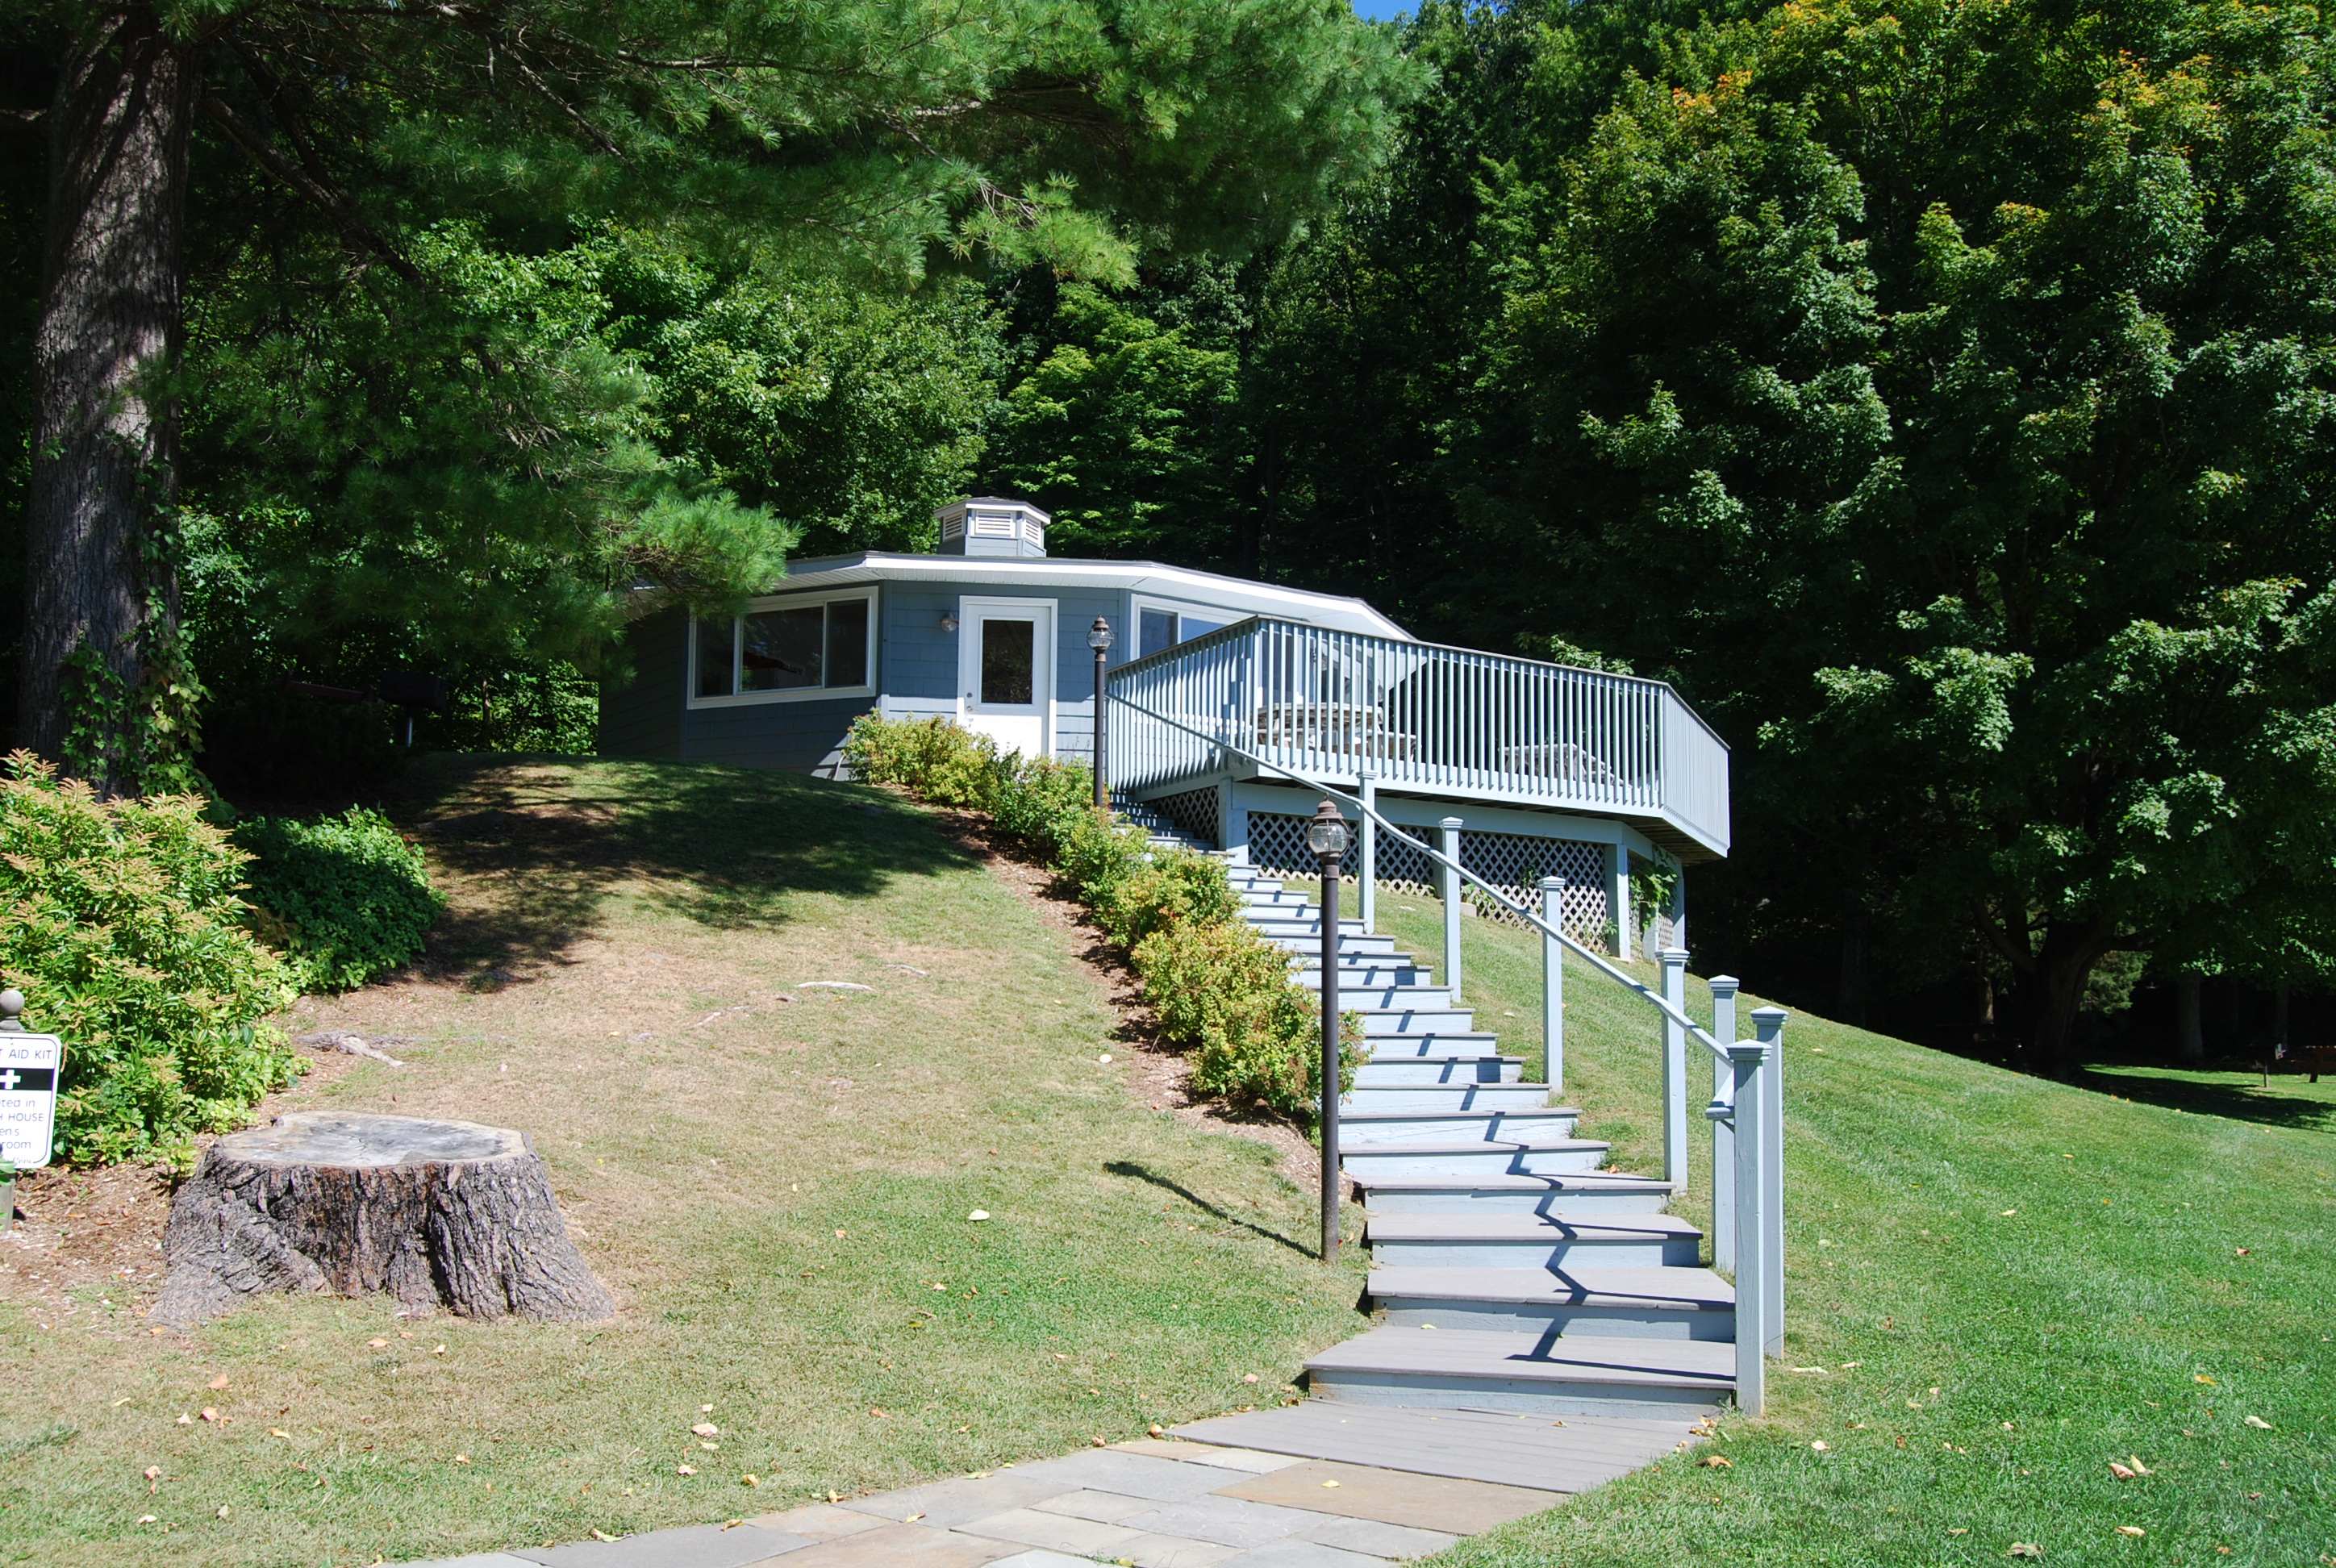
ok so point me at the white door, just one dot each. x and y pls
(1006, 671)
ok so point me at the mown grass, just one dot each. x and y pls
(778, 1197)
(1997, 1285)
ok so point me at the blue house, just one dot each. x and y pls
(1218, 687)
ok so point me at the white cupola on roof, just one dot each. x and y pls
(991, 525)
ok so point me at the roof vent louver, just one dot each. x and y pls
(992, 525)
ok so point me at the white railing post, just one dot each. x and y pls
(1366, 868)
(1674, 962)
(1552, 987)
(1748, 1061)
(1723, 1136)
(1769, 1023)
(1448, 878)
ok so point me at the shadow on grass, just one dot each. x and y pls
(542, 841)
(1169, 1185)
(2240, 1098)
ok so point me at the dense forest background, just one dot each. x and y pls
(1939, 394)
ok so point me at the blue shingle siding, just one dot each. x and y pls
(642, 717)
(917, 658)
(792, 737)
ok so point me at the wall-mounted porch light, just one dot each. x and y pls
(948, 622)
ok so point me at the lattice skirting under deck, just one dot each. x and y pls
(1193, 812)
(1513, 862)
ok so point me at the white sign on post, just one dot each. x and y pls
(28, 1097)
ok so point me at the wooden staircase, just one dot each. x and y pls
(1512, 1268)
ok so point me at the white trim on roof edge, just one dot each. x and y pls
(1335, 610)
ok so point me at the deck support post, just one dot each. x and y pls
(1366, 856)
(1553, 987)
(1723, 1136)
(1674, 962)
(1448, 881)
(1617, 897)
(1749, 1062)
(1769, 1023)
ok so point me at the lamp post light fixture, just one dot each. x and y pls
(1327, 837)
(1099, 639)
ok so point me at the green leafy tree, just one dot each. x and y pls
(1942, 394)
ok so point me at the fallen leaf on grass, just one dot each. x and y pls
(1716, 1462)
(278, 1432)
(1820, 1445)
(684, 1469)
(462, 1458)
(153, 1472)
(438, 1351)
(185, 1419)
(2135, 1531)
(748, 1481)
(1249, 1376)
(1958, 1530)
(377, 1344)
(2120, 1472)
(148, 1519)
(2024, 1549)
(209, 1414)
(1156, 1429)
(2202, 1378)
(218, 1382)
(2258, 1423)
(2139, 1468)
(706, 1430)
(222, 1512)
(979, 1214)
(602, 1535)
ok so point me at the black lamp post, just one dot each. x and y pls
(1325, 835)
(1099, 639)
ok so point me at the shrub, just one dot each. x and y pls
(1225, 991)
(350, 899)
(1219, 986)
(936, 760)
(119, 920)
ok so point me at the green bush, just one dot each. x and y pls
(119, 920)
(1220, 988)
(936, 760)
(350, 899)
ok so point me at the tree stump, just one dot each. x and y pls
(436, 1213)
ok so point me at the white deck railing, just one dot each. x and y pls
(1443, 721)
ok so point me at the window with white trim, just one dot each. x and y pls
(1160, 626)
(797, 647)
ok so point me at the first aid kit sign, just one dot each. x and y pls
(28, 1097)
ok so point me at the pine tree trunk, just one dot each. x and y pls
(433, 1213)
(111, 323)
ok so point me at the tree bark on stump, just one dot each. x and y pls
(436, 1213)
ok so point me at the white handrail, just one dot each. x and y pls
(1654, 999)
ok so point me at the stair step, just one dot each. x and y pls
(1457, 1045)
(1387, 1071)
(1474, 1156)
(1449, 1101)
(1585, 1302)
(1584, 1192)
(1464, 1369)
(1517, 1241)
(1444, 1126)
(1416, 1021)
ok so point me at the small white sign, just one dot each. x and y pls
(28, 1097)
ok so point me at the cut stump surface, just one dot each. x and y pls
(436, 1213)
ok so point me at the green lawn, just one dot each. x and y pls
(774, 1194)
(1996, 1286)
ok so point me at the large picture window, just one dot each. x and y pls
(778, 650)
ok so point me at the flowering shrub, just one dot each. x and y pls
(350, 899)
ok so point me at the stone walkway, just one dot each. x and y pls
(1168, 1504)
